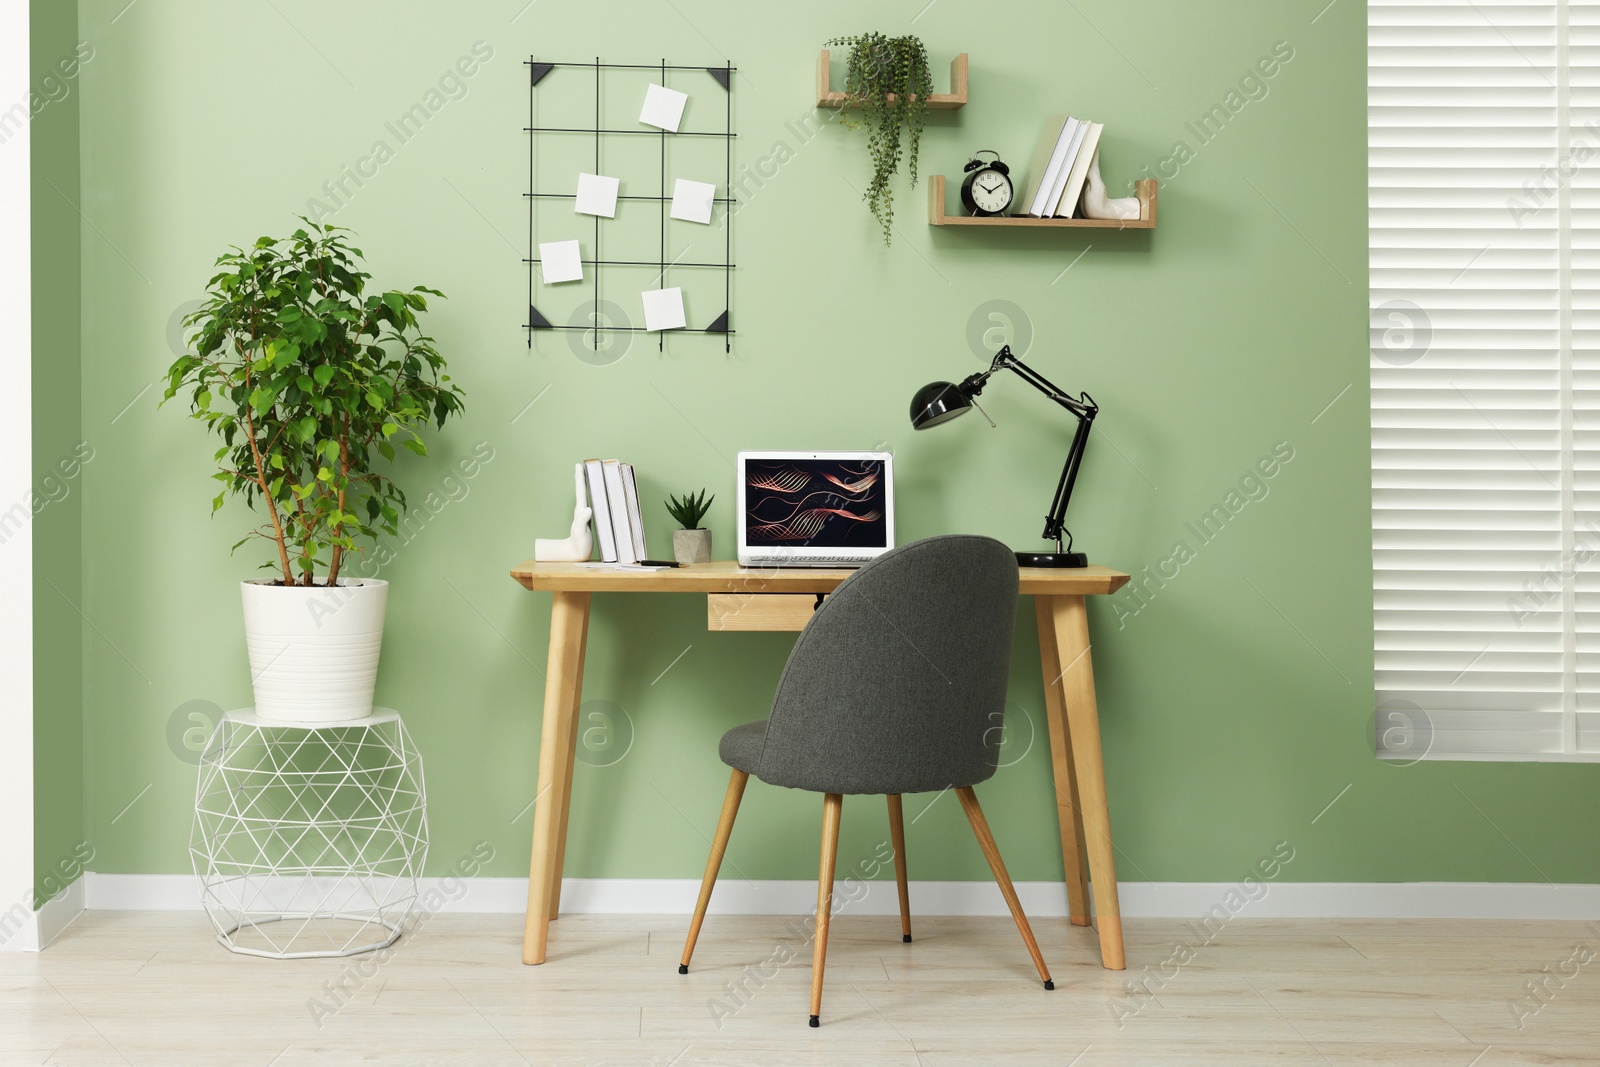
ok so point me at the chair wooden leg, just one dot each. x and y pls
(730, 808)
(991, 852)
(897, 837)
(832, 808)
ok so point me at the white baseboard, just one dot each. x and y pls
(1366, 900)
(1166, 900)
(57, 913)
(33, 931)
(141, 892)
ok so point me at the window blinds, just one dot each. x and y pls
(1484, 229)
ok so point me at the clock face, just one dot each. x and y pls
(991, 191)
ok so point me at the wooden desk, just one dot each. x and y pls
(735, 597)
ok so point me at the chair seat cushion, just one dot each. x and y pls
(741, 746)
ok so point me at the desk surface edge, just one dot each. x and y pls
(725, 576)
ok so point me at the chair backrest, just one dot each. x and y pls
(898, 682)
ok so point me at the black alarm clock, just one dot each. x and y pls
(987, 188)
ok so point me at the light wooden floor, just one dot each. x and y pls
(154, 988)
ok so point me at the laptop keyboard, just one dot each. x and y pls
(811, 561)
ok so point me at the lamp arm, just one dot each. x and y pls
(1082, 407)
(1055, 523)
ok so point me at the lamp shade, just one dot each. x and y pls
(938, 402)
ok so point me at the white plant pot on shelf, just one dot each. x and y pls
(314, 649)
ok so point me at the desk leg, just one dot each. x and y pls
(563, 689)
(1068, 809)
(1083, 721)
(560, 863)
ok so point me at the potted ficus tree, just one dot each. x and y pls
(311, 381)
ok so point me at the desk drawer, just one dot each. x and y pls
(759, 611)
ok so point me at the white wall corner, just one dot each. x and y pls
(19, 928)
(16, 463)
(58, 913)
(24, 930)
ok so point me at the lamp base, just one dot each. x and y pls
(1052, 559)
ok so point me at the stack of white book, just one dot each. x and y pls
(614, 498)
(1060, 167)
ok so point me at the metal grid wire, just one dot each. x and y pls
(723, 323)
(308, 839)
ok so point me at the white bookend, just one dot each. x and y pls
(594, 471)
(617, 501)
(635, 515)
(1041, 159)
(1067, 163)
(1073, 192)
(1060, 160)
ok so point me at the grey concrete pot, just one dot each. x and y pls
(691, 546)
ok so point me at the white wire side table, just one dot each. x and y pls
(308, 838)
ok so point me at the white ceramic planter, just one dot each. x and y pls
(314, 650)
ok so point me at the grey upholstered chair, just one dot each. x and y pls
(897, 685)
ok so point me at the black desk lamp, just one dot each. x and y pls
(939, 402)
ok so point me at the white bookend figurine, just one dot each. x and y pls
(577, 545)
(1096, 205)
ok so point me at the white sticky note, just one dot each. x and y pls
(691, 201)
(561, 261)
(663, 309)
(597, 195)
(663, 107)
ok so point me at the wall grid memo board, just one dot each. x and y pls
(538, 70)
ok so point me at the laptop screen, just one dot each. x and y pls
(816, 503)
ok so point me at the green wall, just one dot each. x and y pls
(1235, 693)
(58, 660)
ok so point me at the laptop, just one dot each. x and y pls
(815, 509)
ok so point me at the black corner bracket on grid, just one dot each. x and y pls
(723, 75)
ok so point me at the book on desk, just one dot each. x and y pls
(618, 519)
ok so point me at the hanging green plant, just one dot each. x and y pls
(888, 79)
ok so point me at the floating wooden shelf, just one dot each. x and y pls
(955, 98)
(1146, 220)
